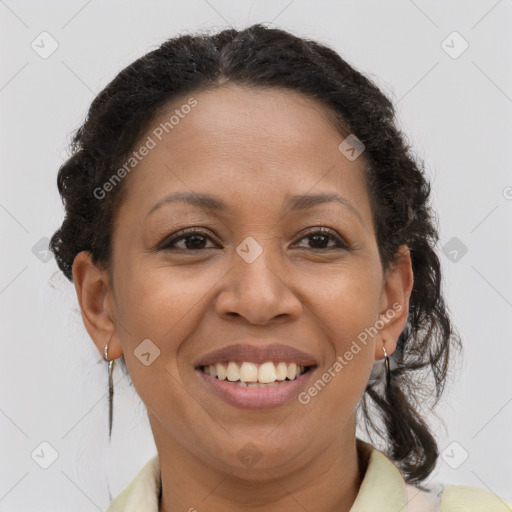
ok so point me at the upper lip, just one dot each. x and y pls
(256, 354)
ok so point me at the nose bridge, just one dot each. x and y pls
(255, 264)
(256, 289)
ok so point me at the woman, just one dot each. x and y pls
(250, 236)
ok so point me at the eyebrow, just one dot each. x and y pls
(296, 202)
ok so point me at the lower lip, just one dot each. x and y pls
(256, 398)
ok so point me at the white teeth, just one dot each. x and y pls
(232, 373)
(281, 371)
(248, 372)
(221, 372)
(267, 373)
(292, 371)
(250, 375)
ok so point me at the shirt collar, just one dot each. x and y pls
(382, 488)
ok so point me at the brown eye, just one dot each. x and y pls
(320, 238)
(193, 240)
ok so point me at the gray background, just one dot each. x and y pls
(456, 112)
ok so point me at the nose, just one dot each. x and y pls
(260, 291)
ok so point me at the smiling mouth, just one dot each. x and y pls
(253, 375)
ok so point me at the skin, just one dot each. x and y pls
(252, 148)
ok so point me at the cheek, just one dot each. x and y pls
(347, 319)
(347, 309)
(334, 393)
(155, 299)
(347, 302)
(157, 316)
(159, 308)
(155, 308)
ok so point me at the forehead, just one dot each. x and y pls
(252, 146)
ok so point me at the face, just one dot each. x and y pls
(258, 263)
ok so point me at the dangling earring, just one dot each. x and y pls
(386, 366)
(110, 387)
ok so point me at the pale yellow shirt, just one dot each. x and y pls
(383, 489)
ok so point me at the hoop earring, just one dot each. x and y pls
(386, 366)
(110, 388)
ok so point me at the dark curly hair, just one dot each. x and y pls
(398, 190)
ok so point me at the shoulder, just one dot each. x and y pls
(463, 498)
(438, 497)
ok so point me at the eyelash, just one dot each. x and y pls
(190, 232)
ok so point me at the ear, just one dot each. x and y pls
(96, 301)
(394, 306)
